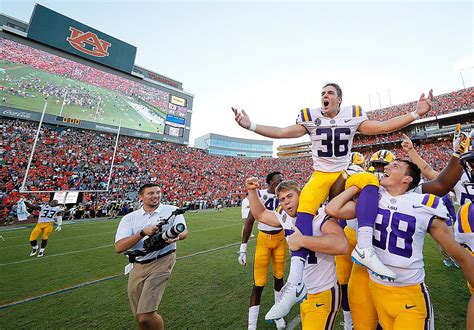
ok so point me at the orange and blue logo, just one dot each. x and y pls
(79, 40)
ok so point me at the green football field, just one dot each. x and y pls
(114, 106)
(78, 283)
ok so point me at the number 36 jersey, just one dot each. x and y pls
(48, 213)
(399, 233)
(331, 138)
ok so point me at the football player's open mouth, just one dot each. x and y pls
(325, 103)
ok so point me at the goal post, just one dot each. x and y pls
(23, 185)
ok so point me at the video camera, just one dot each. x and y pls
(157, 241)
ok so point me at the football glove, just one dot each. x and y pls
(460, 142)
(242, 254)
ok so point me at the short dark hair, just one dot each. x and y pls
(412, 170)
(147, 185)
(336, 86)
(271, 175)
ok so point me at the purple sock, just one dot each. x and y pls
(367, 206)
(366, 211)
(304, 222)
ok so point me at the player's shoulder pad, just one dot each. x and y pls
(356, 111)
(304, 115)
(465, 217)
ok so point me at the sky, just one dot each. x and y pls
(272, 58)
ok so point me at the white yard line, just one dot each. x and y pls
(84, 284)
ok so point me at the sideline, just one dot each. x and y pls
(81, 285)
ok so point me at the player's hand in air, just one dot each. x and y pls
(242, 259)
(58, 228)
(241, 118)
(407, 145)
(425, 104)
(252, 183)
(460, 141)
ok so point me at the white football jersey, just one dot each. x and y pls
(320, 269)
(460, 191)
(399, 232)
(331, 138)
(48, 213)
(271, 202)
(245, 208)
(464, 226)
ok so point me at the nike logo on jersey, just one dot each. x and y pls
(319, 305)
(362, 255)
(417, 206)
(409, 307)
(347, 120)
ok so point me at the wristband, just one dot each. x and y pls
(142, 233)
(253, 127)
(243, 248)
(415, 115)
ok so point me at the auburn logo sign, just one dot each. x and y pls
(79, 40)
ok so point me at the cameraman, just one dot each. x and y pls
(147, 279)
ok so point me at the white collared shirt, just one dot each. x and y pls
(133, 222)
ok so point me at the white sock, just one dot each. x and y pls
(347, 317)
(364, 237)
(36, 247)
(42, 250)
(296, 270)
(253, 316)
(277, 295)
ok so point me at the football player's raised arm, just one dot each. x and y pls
(426, 170)
(342, 206)
(373, 127)
(441, 234)
(446, 180)
(293, 131)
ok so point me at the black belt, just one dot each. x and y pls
(271, 232)
(147, 261)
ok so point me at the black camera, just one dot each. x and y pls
(157, 241)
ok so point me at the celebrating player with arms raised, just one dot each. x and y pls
(331, 129)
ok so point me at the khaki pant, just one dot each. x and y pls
(146, 284)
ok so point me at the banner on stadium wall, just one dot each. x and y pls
(66, 197)
(59, 31)
(178, 135)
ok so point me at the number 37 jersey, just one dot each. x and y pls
(399, 233)
(331, 138)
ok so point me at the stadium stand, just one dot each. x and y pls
(74, 159)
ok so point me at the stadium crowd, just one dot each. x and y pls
(74, 159)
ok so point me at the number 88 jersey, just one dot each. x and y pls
(331, 138)
(399, 232)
